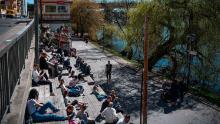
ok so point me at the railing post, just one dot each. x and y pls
(8, 82)
(19, 62)
(36, 22)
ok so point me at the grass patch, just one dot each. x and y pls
(207, 94)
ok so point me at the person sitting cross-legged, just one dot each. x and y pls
(110, 114)
(124, 120)
(105, 103)
(70, 91)
(41, 78)
(38, 111)
(82, 114)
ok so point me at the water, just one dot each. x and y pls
(119, 45)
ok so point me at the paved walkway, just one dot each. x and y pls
(8, 28)
(126, 81)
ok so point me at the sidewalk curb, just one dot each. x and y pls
(118, 59)
(205, 102)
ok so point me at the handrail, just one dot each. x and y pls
(13, 53)
(6, 45)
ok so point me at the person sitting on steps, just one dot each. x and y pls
(82, 114)
(71, 91)
(124, 120)
(99, 95)
(38, 111)
(109, 114)
(66, 64)
(41, 79)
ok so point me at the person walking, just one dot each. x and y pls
(108, 71)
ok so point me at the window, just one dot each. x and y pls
(50, 8)
(62, 9)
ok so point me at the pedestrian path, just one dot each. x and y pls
(94, 105)
(125, 81)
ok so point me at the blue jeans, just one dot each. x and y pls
(41, 116)
(99, 96)
(75, 90)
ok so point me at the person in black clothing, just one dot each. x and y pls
(43, 63)
(77, 62)
(86, 40)
(106, 103)
(66, 64)
(84, 68)
(88, 70)
(60, 51)
(108, 71)
(174, 92)
(181, 90)
(81, 64)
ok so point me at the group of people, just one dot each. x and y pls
(75, 110)
(110, 109)
(83, 66)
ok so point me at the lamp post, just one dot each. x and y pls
(36, 22)
(103, 38)
(145, 76)
(41, 16)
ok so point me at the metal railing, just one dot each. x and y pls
(13, 53)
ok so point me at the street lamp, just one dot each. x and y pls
(41, 16)
(36, 22)
(144, 99)
(103, 37)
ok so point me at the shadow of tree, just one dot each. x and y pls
(127, 86)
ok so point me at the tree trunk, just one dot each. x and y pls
(160, 51)
(130, 54)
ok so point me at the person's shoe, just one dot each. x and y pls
(56, 110)
(52, 94)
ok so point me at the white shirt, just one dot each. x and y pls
(31, 106)
(109, 114)
(121, 121)
(35, 76)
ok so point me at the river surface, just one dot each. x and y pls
(119, 45)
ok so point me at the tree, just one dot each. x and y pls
(86, 17)
(11, 4)
(171, 22)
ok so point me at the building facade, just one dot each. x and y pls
(24, 11)
(56, 9)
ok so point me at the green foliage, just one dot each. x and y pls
(86, 17)
(207, 94)
(109, 32)
(179, 19)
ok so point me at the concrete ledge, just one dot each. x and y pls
(20, 94)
